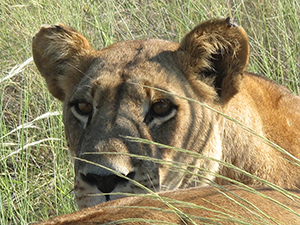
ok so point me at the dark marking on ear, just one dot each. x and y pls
(58, 27)
(230, 23)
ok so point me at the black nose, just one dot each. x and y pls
(105, 184)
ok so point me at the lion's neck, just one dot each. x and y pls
(260, 106)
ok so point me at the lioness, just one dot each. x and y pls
(124, 90)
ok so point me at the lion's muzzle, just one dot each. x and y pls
(106, 184)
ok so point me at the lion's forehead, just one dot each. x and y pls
(132, 48)
(138, 58)
(127, 69)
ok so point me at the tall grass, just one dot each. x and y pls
(36, 174)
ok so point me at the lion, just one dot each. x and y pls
(181, 99)
(204, 205)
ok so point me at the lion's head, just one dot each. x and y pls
(124, 91)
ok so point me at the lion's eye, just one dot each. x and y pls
(83, 108)
(83, 111)
(162, 107)
(160, 111)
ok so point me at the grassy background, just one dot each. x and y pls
(36, 174)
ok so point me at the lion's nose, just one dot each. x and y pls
(107, 183)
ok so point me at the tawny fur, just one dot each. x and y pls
(115, 82)
(206, 205)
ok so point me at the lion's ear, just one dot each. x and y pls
(62, 55)
(217, 50)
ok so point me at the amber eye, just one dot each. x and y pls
(162, 107)
(84, 108)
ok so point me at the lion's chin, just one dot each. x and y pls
(89, 201)
(89, 195)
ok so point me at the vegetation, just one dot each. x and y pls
(36, 173)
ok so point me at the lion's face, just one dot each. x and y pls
(124, 91)
(114, 101)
